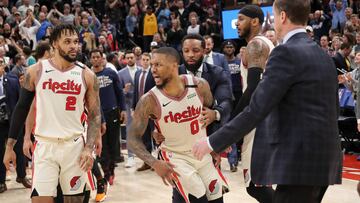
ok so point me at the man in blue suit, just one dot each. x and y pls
(9, 95)
(127, 77)
(214, 58)
(294, 108)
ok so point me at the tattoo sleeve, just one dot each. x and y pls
(94, 116)
(137, 128)
(257, 53)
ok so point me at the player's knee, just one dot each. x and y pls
(218, 200)
(76, 198)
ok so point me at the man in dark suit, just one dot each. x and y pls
(341, 58)
(9, 95)
(294, 108)
(217, 77)
(214, 58)
(144, 81)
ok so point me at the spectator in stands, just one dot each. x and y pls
(29, 27)
(44, 25)
(175, 35)
(111, 62)
(24, 7)
(66, 17)
(341, 59)
(132, 24)
(270, 34)
(150, 27)
(163, 15)
(336, 44)
(320, 24)
(338, 11)
(104, 43)
(324, 44)
(194, 27)
(19, 68)
(348, 38)
(87, 34)
(158, 39)
(43, 50)
(11, 18)
(356, 47)
(29, 59)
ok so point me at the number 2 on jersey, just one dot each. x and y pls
(70, 103)
(194, 126)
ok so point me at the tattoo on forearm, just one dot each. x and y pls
(206, 93)
(27, 83)
(137, 129)
(94, 117)
(257, 53)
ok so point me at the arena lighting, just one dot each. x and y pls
(229, 19)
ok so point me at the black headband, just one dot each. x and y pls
(253, 11)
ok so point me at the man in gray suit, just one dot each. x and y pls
(294, 108)
(212, 57)
(127, 76)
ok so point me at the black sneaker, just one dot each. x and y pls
(3, 187)
(233, 168)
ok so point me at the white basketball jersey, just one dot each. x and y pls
(244, 71)
(59, 101)
(179, 119)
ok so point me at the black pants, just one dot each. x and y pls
(146, 43)
(110, 142)
(20, 158)
(261, 194)
(299, 194)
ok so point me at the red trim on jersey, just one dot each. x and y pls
(158, 106)
(177, 182)
(56, 67)
(39, 73)
(222, 176)
(176, 98)
(91, 181)
(33, 162)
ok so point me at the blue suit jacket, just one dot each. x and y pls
(220, 60)
(124, 76)
(12, 91)
(294, 110)
(220, 87)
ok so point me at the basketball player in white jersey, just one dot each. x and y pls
(249, 25)
(63, 89)
(176, 104)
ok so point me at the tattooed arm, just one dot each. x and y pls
(257, 53)
(142, 113)
(205, 92)
(92, 100)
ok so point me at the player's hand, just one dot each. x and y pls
(166, 171)
(158, 137)
(98, 145)
(28, 148)
(201, 148)
(9, 158)
(228, 150)
(207, 117)
(216, 158)
(123, 117)
(86, 160)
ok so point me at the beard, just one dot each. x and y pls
(66, 56)
(245, 32)
(194, 67)
(164, 82)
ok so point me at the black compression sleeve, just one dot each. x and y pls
(20, 113)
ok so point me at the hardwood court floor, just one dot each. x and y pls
(146, 187)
